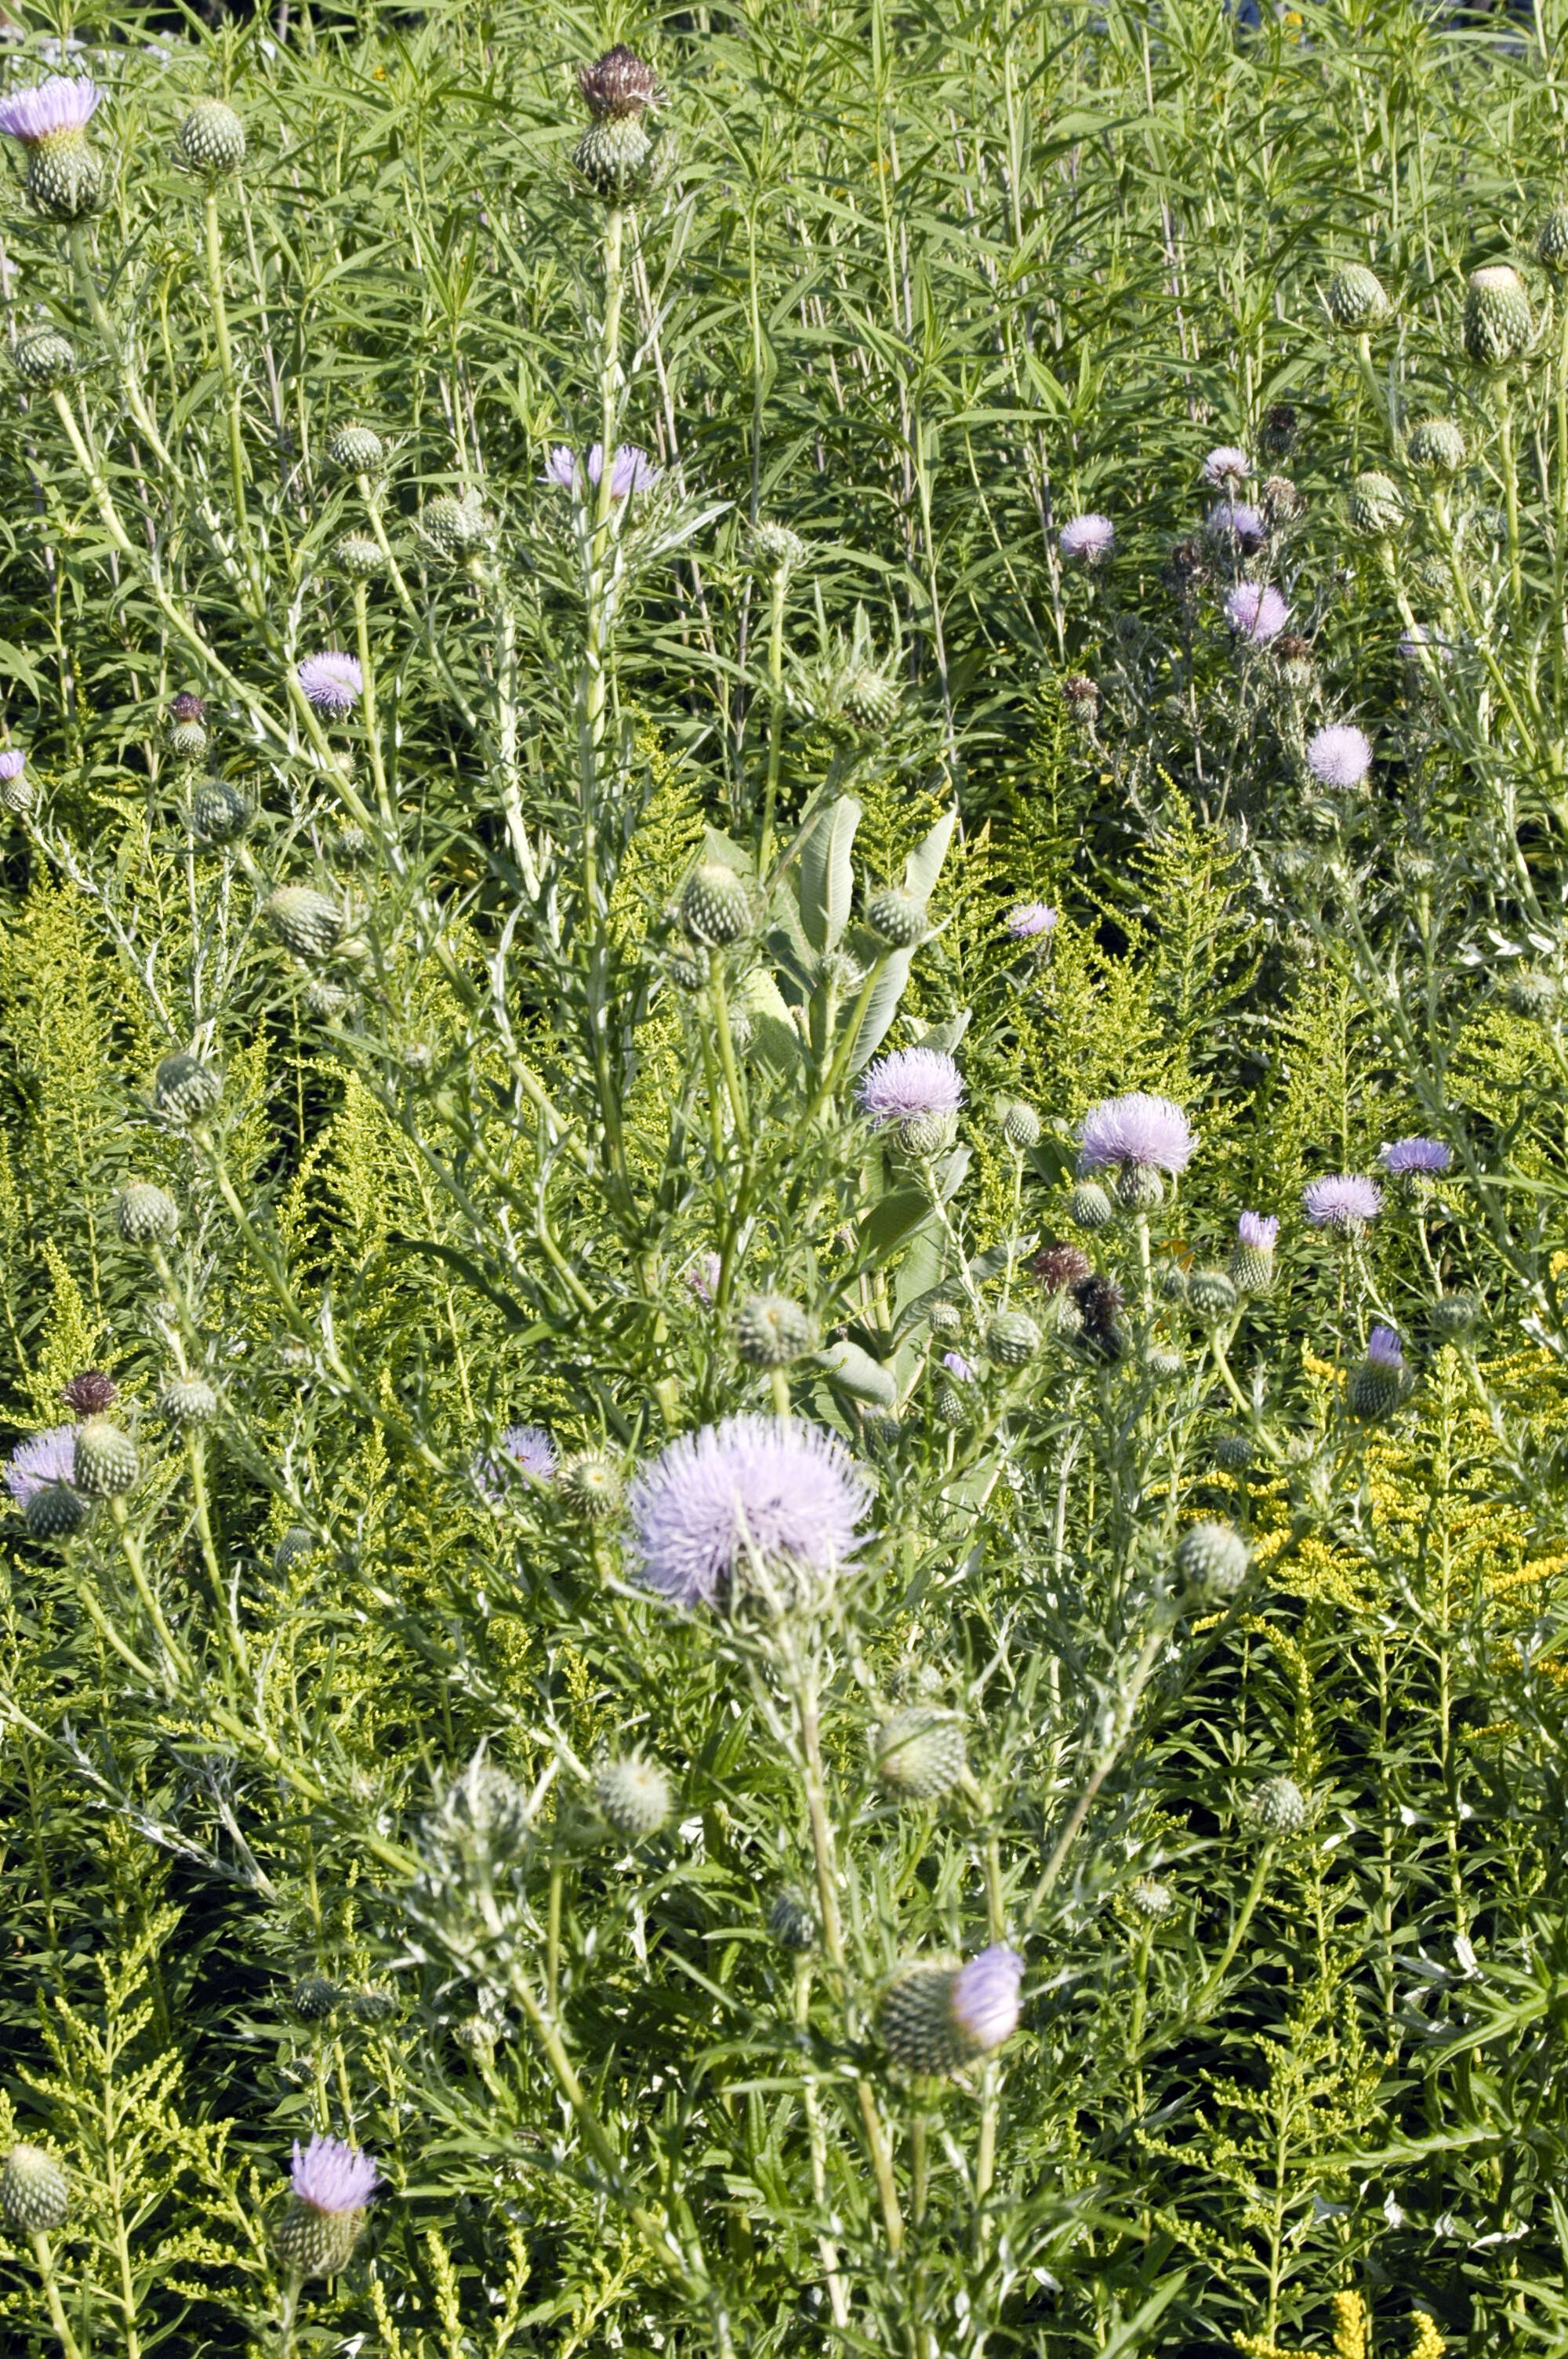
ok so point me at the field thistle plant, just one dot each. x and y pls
(898, 918)
(715, 906)
(1256, 611)
(1031, 921)
(1345, 1204)
(1415, 1159)
(41, 1463)
(185, 1090)
(186, 727)
(1374, 507)
(1136, 1138)
(773, 1332)
(1212, 1563)
(1436, 446)
(591, 1485)
(145, 1214)
(1279, 1806)
(1340, 756)
(1226, 467)
(916, 1093)
(330, 682)
(65, 172)
(520, 1450)
(105, 1464)
(1088, 539)
(355, 450)
(219, 813)
(1237, 524)
(614, 153)
(454, 524)
(330, 2185)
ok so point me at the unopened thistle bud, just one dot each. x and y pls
(308, 923)
(1234, 1452)
(634, 1797)
(1551, 239)
(1212, 1562)
(591, 1485)
(1213, 1294)
(936, 2018)
(1020, 1125)
(1354, 297)
(324, 1000)
(456, 524)
(44, 358)
(792, 1922)
(358, 556)
(211, 139)
(945, 1319)
(919, 1753)
(187, 1401)
(899, 919)
(356, 450)
(184, 1089)
(1088, 1206)
(145, 1216)
(33, 2196)
(772, 1331)
(1497, 324)
(219, 813)
(715, 907)
(1454, 1316)
(315, 1998)
(105, 1465)
(1374, 505)
(1377, 1385)
(55, 1511)
(775, 549)
(1279, 1807)
(1437, 447)
(1012, 1338)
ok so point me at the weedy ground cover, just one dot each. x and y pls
(781, 1176)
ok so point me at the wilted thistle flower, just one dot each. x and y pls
(330, 682)
(1030, 921)
(1344, 1203)
(1212, 1562)
(34, 2197)
(1184, 568)
(1225, 464)
(1340, 755)
(634, 1796)
(631, 470)
(615, 150)
(44, 359)
(90, 1392)
(356, 450)
(917, 1091)
(1089, 539)
(1257, 612)
(145, 1214)
(936, 2018)
(1060, 1268)
(1414, 1159)
(525, 1450)
(1251, 1261)
(331, 2183)
(42, 1460)
(919, 1752)
(1098, 1301)
(184, 1089)
(1498, 325)
(65, 176)
(1137, 1136)
(772, 1331)
(1233, 521)
(1377, 1385)
(211, 139)
(1280, 426)
(754, 1497)
(1374, 505)
(1354, 297)
(1437, 447)
(619, 84)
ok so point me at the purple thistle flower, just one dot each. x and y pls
(12, 764)
(911, 1082)
(1344, 1203)
(1261, 1231)
(777, 1488)
(1226, 466)
(983, 2001)
(63, 103)
(1091, 538)
(1424, 1157)
(331, 2177)
(42, 1458)
(631, 469)
(1030, 918)
(1255, 611)
(1384, 1349)
(1233, 521)
(702, 1277)
(1420, 641)
(1340, 755)
(958, 1367)
(525, 1450)
(331, 682)
(1148, 1131)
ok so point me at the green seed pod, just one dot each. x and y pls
(65, 177)
(634, 1796)
(1213, 1295)
(315, 1999)
(457, 527)
(358, 556)
(211, 139)
(1138, 1187)
(1020, 1125)
(792, 1921)
(1355, 297)
(187, 1400)
(33, 2196)
(44, 359)
(219, 813)
(184, 1089)
(899, 919)
(1279, 1807)
(1088, 1206)
(1212, 1562)
(612, 155)
(308, 923)
(919, 1752)
(145, 1215)
(1012, 1338)
(775, 549)
(106, 1464)
(715, 906)
(591, 1487)
(1436, 446)
(1498, 325)
(1374, 505)
(55, 1511)
(356, 450)
(313, 2243)
(772, 1331)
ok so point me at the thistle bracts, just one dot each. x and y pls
(935, 2020)
(614, 153)
(211, 139)
(34, 2197)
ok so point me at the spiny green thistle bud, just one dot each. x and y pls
(1150, 1900)
(44, 359)
(315, 2244)
(1163, 1365)
(106, 1464)
(324, 1000)
(1497, 326)
(591, 1485)
(936, 2018)
(358, 556)
(1551, 239)
(33, 2196)
(371, 2006)
(792, 1921)
(1171, 1282)
(1012, 1338)
(919, 1753)
(299, 1541)
(307, 922)
(1355, 297)
(1088, 1206)
(1374, 505)
(184, 1089)
(869, 697)
(1234, 1452)
(897, 918)
(945, 1319)
(715, 907)
(772, 1331)
(1020, 1125)
(457, 525)
(356, 450)
(1453, 1316)
(1377, 1385)
(55, 1511)
(1212, 1562)
(775, 550)
(219, 813)
(315, 1999)
(1138, 1187)
(65, 177)
(634, 1796)
(1436, 446)
(948, 1403)
(1213, 1295)
(612, 155)
(1279, 1807)
(145, 1216)
(187, 1400)
(211, 139)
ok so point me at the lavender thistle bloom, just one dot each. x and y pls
(702, 1277)
(1384, 1349)
(331, 2177)
(631, 469)
(1226, 464)
(1091, 538)
(1420, 1158)
(1259, 1231)
(983, 2002)
(1340, 755)
(1233, 521)
(958, 1367)
(1030, 919)
(775, 1489)
(1148, 1132)
(525, 1450)
(331, 682)
(1344, 1203)
(909, 1083)
(42, 1458)
(12, 766)
(63, 103)
(1255, 611)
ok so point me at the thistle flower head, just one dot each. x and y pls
(89, 1393)
(1150, 1133)
(1226, 466)
(1344, 1202)
(186, 707)
(984, 2000)
(1030, 918)
(333, 2177)
(331, 682)
(42, 1458)
(617, 84)
(12, 764)
(1340, 755)
(63, 103)
(1234, 520)
(752, 1487)
(702, 1277)
(1258, 1231)
(1058, 1267)
(525, 1450)
(959, 1368)
(1422, 1158)
(1090, 539)
(1255, 611)
(631, 469)
(1384, 1349)
(908, 1083)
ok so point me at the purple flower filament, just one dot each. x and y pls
(331, 682)
(1150, 1133)
(331, 2177)
(779, 1490)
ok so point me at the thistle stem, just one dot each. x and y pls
(213, 254)
(371, 719)
(44, 2258)
(778, 587)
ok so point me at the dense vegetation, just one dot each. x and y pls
(987, 899)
